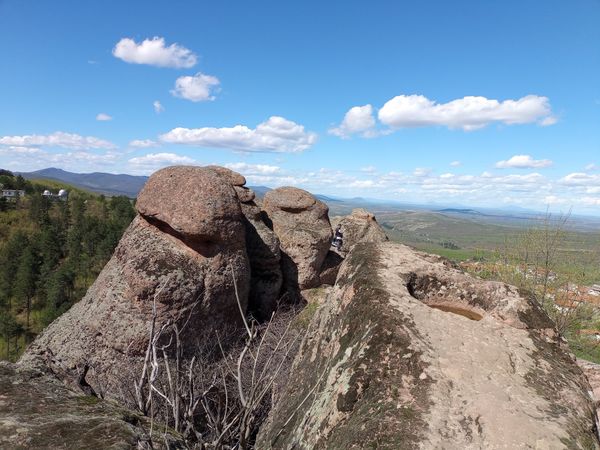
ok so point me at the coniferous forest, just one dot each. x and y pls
(51, 251)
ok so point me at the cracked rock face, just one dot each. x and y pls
(408, 352)
(181, 252)
(301, 223)
(262, 247)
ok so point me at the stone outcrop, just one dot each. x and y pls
(360, 226)
(408, 352)
(301, 223)
(262, 247)
(592, 372)
(38, 412)
(180, 253)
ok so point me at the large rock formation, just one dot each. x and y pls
(408, 352)
(360, 226)
(38, 412)
(180, 254)
(301, 223)
(262, 247)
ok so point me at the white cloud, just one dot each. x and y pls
(523, 162)
(154, 52)
(547, 121)
(362, 184)
(358, 119)
(197, 88)
(368, 169)
(591, 201)
(254, 169)
(153, 161)
(20, 150)
(421, 172)
(103, 117)
(158, 107)
(455, 163)
(581, 179)
(33, 158)
(468, 113)
(553, 200)
(592, 167)
(143, 143)
(58, 139)
(276, 135)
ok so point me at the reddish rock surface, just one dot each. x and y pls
(301, 223)
(180, 252)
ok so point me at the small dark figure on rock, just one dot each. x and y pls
(338, 238)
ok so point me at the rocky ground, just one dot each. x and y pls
(38, 411)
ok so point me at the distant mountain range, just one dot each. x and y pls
(130, 185)
(121, 184)
(102, 183)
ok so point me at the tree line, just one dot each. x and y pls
(51, 251)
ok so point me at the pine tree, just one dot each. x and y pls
(25, 280)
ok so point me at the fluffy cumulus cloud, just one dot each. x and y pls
(33, 158)
(153, 161)
(196, 88)
(467, 113)
(358, 120)
(143, 143)
(276, 135)
(254, 169)
(155, 52)
(158, 107)
(58, 139)
(103, 117)
(523, 162)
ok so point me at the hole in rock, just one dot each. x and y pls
(458, 310)
(437, 294)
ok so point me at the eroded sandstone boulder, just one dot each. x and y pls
(301, 223)
(181, 254)
(408, 352)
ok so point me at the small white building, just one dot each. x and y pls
(12, 194)
(62, 195)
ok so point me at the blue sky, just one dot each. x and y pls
(467, 102)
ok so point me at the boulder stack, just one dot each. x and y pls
(262, 247)
(301, 223)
